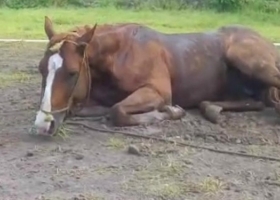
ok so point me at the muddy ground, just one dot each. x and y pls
(95, 165)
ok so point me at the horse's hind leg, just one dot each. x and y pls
(211, 110)
(268, 74)
(255, 63)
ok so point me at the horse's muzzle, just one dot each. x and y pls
(48, 125)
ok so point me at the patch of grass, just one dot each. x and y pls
(255, 150)
(260, 150)
(9, 79)
(116, 143)
(107, 170)
(212, 185)
(63, 132)
(29, 23)
(163, 179)
(79, 172)
(156, 149)
(168, 178)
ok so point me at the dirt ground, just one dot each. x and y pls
(91, 165)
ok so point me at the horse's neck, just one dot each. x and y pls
(108, 43)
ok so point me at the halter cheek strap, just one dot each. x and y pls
(87, 68)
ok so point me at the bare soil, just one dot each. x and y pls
(96, 165)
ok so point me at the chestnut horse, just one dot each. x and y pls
(48, 66)
(145, 76)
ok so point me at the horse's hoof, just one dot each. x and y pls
(211, 112)
(175, 112)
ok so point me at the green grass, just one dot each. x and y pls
(29, 23)
(116, 143)
(8, 79)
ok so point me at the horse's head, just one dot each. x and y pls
(65, 78)
(66, 72)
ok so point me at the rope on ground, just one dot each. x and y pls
(176, 142)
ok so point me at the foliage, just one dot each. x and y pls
(228, 5)
(268, 6)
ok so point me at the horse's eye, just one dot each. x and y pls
(72, 74)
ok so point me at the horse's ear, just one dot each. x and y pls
(85, 39)
(49, 28)
(87, 36)
(92, 31)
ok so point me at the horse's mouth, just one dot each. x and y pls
(56, 124)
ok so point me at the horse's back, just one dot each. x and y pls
(194, 60)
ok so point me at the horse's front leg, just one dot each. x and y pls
(90, 110)
(149, 103)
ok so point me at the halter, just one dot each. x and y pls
(84, 64)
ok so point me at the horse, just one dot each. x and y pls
(143, 76)
(46, 68)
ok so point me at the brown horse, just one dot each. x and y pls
(142, 74)
(48, 66)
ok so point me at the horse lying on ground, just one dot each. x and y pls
(47, 67)
(146, 76)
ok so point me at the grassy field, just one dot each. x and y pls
(28, 23)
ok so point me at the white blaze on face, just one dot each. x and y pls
(42, 121)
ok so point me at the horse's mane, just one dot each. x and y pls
(57, 40)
